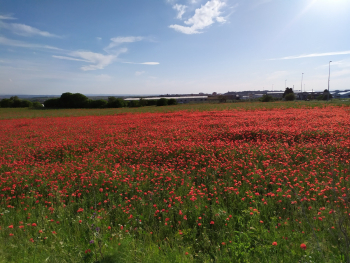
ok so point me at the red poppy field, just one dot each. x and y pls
(212, 186)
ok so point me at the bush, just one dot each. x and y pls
(172, 102)
(151, 102)
(52, 103)
(162, 102)
(97, 103)
(290, 97)
(37, 105)
(6, 103)
(266, 98)
(26, 103)
(75, 100)
(15, 102)
(115, 103)
(133, 103)
(142, 102)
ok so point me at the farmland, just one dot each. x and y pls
(208, 183)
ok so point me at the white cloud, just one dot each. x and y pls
(7, 17)
(16, 43)
(69, 58)
(138, 73)
(97, 60)
(203, 17)
(25, 30)
(98, 38)
(120, 40)
(181, 9)
(315, 55)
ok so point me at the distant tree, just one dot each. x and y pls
(172, 102)
(52, 103)
(142, 102)
(66, 100)
(37, 105)
(319, 97)
(133, 103)
(111, 101)
(26, 103)
(162, 102)
(6, 103)
(288, 91)
(73, 100)
(266, 98)
(115, 103)
(80, 100)
(97, 103)
(151, 102)
(290, 97)
(222, 98)
(15, 102)
(326, 94)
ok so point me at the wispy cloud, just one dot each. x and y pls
(7, 17)
(25, 30)
(70, 58)
(116, 41)
(144, 63)
(181, 9)
(96, 60)
(315, 55)
(17, 43)
(203, 17)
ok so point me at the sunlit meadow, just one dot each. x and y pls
(229, 185)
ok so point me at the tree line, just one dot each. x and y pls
(77, 100)
(15, 102)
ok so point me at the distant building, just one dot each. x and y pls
(180, 99)
(341, 94)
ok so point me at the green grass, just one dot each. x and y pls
(15, 113)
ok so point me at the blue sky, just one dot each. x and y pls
(172, 46)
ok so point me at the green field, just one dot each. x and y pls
(13, 113)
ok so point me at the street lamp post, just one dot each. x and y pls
(302, 75)
(329, 78)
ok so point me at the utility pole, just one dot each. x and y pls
(329, 78)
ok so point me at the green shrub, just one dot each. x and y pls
(172, 102)
(266, 98)
(37, 105)
(290, 97)
(162, 102)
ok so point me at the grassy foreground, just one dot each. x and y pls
(205, 185)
